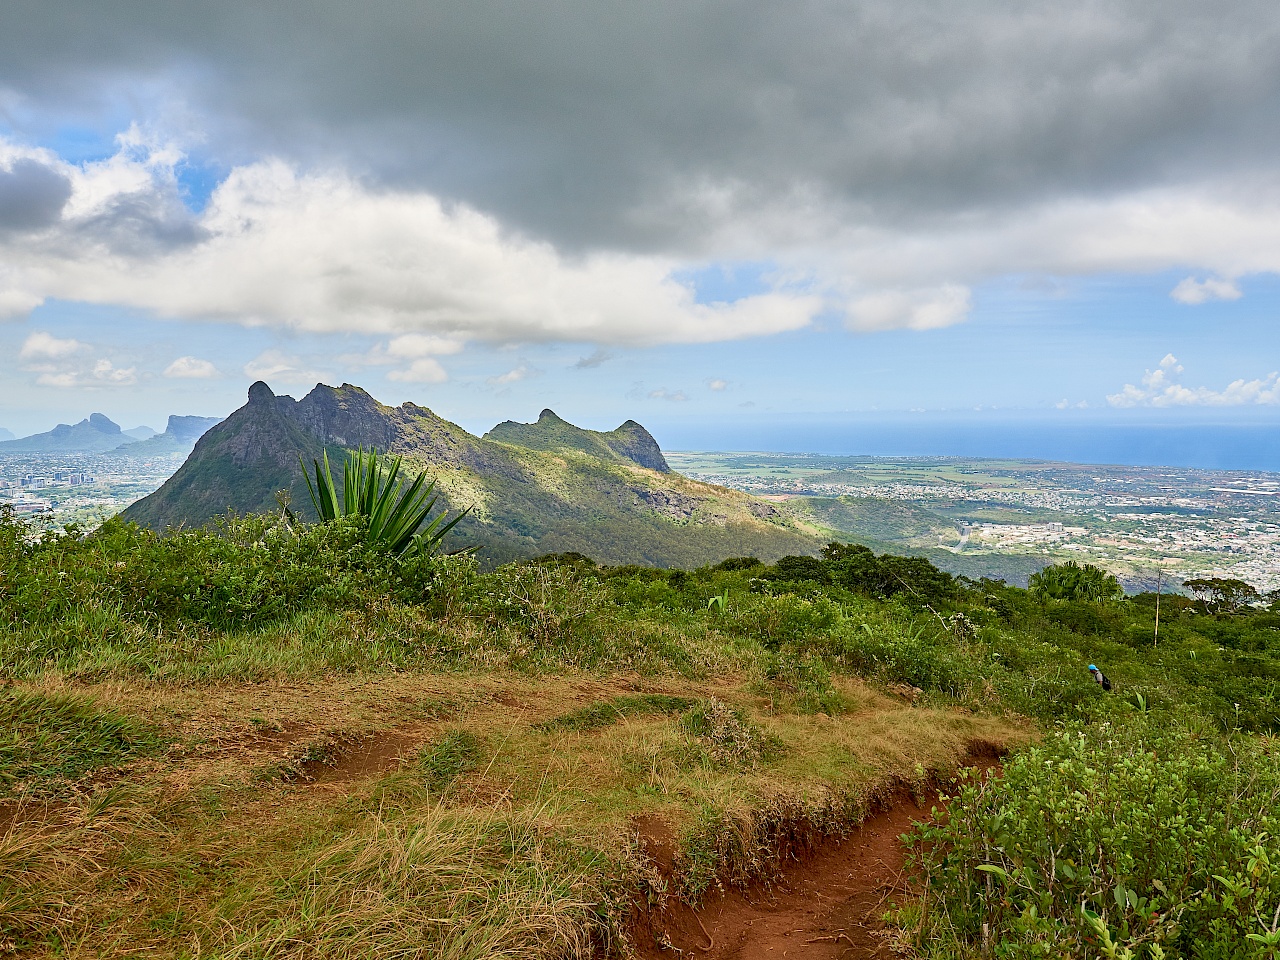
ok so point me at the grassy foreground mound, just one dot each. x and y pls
(278, 742)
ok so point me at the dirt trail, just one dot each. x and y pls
(827, 906)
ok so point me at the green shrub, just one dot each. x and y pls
(1122, 842)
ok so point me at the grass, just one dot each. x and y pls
(443, 763)
(515, 830)
(47, 742)
(492, 741)
(616, 709)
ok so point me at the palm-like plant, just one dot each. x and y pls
(1075, 581)
(371, 489)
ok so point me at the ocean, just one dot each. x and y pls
(1247, 447)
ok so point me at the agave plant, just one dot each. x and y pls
(371, 488)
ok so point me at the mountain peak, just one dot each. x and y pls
(261, 393)
(630, 442)
(97, 433)
(634, 442)
(103, 423)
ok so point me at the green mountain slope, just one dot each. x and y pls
(875, 517)
(629, 442)
(526, 500)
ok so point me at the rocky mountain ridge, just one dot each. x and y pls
(547, 487)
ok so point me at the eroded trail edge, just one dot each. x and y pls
(827, 904)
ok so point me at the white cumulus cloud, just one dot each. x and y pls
(926, 309)
(1193, 292)
(69, 364)
(322, 252)
(276, 366)
(1163, 387)
(41, 346)
(190, 368)
(413, 355)
(514, 375)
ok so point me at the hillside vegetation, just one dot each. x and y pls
(260, 739)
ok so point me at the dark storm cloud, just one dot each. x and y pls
(32, 196)
(141, 225)
(650, 125)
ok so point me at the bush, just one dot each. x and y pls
(1120, 843)
(855, 567)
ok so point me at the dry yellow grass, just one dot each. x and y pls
(295, 819)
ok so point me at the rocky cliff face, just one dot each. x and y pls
(636, 443)
(189, 429)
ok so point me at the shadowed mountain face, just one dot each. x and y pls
(548, 487)
(97, 434)
(629, 442)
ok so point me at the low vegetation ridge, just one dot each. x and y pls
(267, 738)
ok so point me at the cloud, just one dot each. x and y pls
(1193, 292)
(101, 373)
(637, 127)
(1162, 387)
(68, 364)
(913, 309)
(40, 346)
(511, 376)
(32, 195)
(596, 358)
(544, 173)
(280, 367)
(191, 368)
(324, 253)
(676, 396)
(415, 356)
(717, 384)
(422, 370)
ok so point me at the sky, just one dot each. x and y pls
(697, 215)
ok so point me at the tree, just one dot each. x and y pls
(855, 567)
(1075, 581)
(1222, 595)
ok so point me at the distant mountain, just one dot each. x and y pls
(5, 434)
(179, 436)
(548, 487)
(97, 434)
(630, 441)
(140, 433)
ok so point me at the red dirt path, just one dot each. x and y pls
(826, 906)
